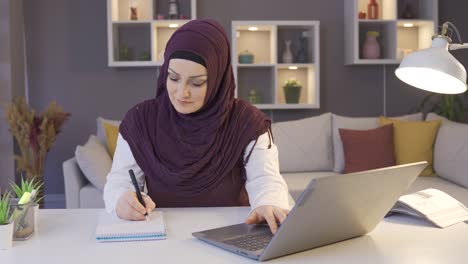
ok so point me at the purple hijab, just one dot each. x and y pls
(191, 154)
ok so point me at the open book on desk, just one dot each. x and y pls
(434, 205)
(111, 228)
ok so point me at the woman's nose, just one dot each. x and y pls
(185, 91)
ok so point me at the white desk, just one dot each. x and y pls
(67, 236)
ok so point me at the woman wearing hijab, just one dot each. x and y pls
(194, 144)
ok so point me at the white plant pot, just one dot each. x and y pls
(6, 236)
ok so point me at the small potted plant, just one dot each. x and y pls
(29, 186)
(6, 226)
(292, 91)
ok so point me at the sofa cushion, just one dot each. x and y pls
(100, 131)
(414, 141)
(94, 161)
(454, 190)
(368, 149)
(304, 145)
(91, 197)
(451, 150)
(297, 182)
(433, 116)
(358, 123)
(112, 132)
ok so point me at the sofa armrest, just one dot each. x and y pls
(74, 180)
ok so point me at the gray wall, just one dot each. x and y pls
(11, 79)
(67, 62)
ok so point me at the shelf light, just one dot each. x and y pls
(408, 25)
(173, 25)
(253, 28)
(292, 67)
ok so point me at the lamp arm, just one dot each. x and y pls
(445, 32)
(458, 46)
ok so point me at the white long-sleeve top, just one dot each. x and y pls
(264, 183)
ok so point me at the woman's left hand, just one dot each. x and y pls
(271, 214)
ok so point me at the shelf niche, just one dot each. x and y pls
(147, 35)
(404, 26)
(267, 73)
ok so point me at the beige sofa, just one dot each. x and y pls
(310, 148)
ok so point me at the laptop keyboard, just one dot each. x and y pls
(251, 242)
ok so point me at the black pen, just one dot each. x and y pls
(137, 191)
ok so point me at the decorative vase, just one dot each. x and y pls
(36, 217)
(287, 53)
(408, 11)
(133, 10)
(362, 15)
(292, 93)
(253, 97)
(302, 53)
(371, 47)
(23, 218)
(373, 10)
(173, 9)
(6, 236)
(246, 57)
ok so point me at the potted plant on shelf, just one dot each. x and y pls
(292, 91)
(29, 186)
(35, 134)
(6, 226)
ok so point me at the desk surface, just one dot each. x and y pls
(67, 236)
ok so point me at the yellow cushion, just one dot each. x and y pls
(414, 141)
(112, 132)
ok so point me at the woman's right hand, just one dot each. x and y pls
(129, 208)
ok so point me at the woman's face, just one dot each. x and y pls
(186, 85)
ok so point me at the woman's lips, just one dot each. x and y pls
(183, 103)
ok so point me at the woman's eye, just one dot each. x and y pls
(173, 79)
(198, 84)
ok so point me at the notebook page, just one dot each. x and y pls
(112, 227)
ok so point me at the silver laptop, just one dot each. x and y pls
(331, 209)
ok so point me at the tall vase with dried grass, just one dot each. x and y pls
(35, 134)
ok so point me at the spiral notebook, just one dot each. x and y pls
(111, 228)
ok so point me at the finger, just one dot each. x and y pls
(255, 218)
(136, 216)
(270, 218)
(135, 204)
(279, 214)
(150, 205)
(252, 218)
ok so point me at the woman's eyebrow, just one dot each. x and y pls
(173, 71)
(195, 76)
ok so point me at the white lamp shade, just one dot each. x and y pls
(433, 69)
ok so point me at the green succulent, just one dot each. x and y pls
(4, 208)
(144, 56)
(124, 53)
(28, 186)
(291, 83)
